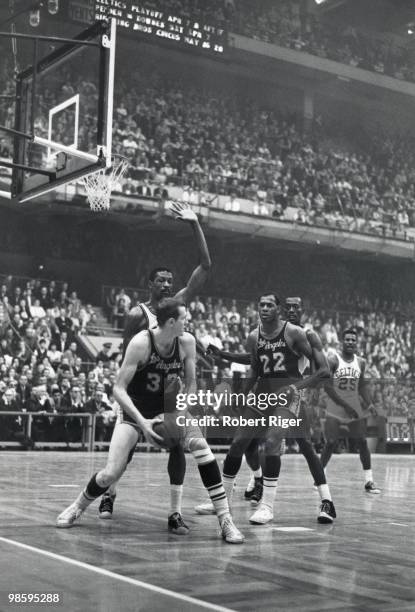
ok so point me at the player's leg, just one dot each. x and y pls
(358, 432)
(327, 511)
(212, 481)
(331, 435)
(106, 506)
(253, 491)
(176, 468)
(241, 441)
(124, 438)
(272, 447)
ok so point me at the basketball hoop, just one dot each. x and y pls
(99, 185)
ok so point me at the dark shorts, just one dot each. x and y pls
(334, 429)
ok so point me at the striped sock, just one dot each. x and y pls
(269, 491)
(219, 500)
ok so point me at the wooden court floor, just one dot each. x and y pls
(365, 562)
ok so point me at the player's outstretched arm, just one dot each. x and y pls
(136, 356)
(199, 276)
(214, 351)
(331, 391)
(319, 364)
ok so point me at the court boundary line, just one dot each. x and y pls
(103, 572)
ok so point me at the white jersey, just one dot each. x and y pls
(346, 384)
(151, 317)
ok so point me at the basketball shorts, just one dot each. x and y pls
(334, 429)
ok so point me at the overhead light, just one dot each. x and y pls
(411, 28)
(320, 1)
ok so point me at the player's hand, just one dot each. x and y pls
(213, 351)
(183, 212)
(351, 413)
(149, 433)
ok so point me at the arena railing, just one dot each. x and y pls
(400, 430)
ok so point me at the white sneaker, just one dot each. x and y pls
(230, 533)
(261, 516)
(67, 518)
(206, 508)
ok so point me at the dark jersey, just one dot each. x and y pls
(152, 387)
(278, 364)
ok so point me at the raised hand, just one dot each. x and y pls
(182, 211)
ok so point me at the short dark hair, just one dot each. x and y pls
(349, 330)
(295, 300)
(274, 295)
(155, 271)
(168, 309)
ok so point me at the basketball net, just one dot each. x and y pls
(99, 185)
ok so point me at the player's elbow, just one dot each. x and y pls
(206, 265)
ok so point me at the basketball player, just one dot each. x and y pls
(318, 364)
(347, 386)
(276, 347)
(143, 317)
(153, 358)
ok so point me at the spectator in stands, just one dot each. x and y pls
(106, 417)
(104, 354)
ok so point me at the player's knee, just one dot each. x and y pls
(200, 451)
(362, 444)
(112, 472)
(238, 446)
(273, 447)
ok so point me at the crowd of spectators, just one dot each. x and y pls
(42, 368)
(177, 133)
(289, 23)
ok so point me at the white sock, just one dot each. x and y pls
(228, 482)
(251, 483)
(82, 501)
(324, 492)
(257, 473)
(176, 492)
(368, 476)
(269, 491)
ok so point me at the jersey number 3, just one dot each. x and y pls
(279, 363)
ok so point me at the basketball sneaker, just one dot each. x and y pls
(262, 515)
(327, 512)
(106, 506)
(257, 492)
(177, 525)
(206, 508)
(370, 487)
(230, 533)
(67, 518)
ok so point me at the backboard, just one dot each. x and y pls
(64, 108)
